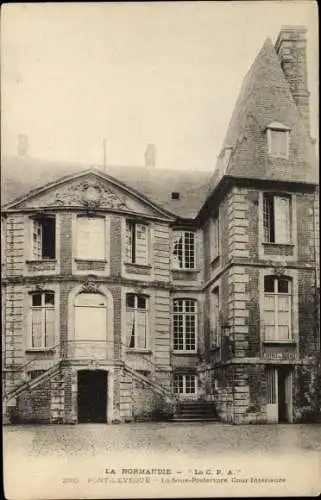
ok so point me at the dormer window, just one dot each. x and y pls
(278, 140)
(175, 195)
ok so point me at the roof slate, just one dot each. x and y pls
(265, 97)
(23, 174)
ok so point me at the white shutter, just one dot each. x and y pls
(141, 244)
(129, 236)
(141, 329)
(37, 240)
(91, 238)
(282, 219)
(177, 250)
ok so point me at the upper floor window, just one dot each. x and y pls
(278, 140)
(91, 238)
(183, 250)
(277, 308)
(136, 243)
(137, 321)
(42, 319)
(184, 324)
(215, 237)
(277, 218)
(43, 238)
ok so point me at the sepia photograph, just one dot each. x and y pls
(160, 265)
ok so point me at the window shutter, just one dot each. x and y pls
(37, 329)
(37, 240)
(282, 219)
(141, 244)
(49, 327)
(141, 329)
(177, 250)
(129, 242)
(91, 238)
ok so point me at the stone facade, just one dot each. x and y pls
(224, 352)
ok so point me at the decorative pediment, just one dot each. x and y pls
(90, 193)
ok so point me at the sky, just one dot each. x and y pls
(166, 73)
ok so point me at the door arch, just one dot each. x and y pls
(90, 326)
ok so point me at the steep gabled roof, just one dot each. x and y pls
(21, 175)
(265, 97)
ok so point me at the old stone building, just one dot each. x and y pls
(131, 291)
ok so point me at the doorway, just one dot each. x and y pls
(92, 396)
(279, 394)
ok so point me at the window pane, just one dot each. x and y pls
(49, 299)
(130, 300)
(36, 299)
(141, 302)
(269, 283)
(283, 285)
(268, 218)
(189, 241)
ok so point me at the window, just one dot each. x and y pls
(43, 238)
(185, 384)
(278, 140)
(184, 250)
(215, 237)
(91, 238)
(137, 321)
(42, 320)
(137, 243)
(277, 308)
(175, 195)
(277, 218)
(216, 340)
(184, 325)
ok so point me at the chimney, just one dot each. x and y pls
(291, 49)
(23, 145)
(150, 155)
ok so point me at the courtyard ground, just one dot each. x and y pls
(201, 459)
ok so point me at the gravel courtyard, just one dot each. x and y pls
(57, 459)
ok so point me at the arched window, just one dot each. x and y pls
(277, 308)
(90, 317)
(184, 324)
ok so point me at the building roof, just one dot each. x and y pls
(23, 174)
(264, 98)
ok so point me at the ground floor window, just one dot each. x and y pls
(185, 384)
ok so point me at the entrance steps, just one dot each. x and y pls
(195, 411)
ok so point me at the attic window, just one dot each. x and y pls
(175, 195)
(278, 140)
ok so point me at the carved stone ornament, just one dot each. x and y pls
(90, 287)
(90, 193)
(279, 271)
